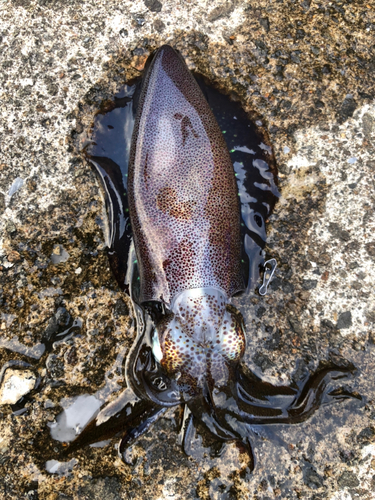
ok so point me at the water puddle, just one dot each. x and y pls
(73, 419)
(60, 468)
(36, 351)
(79, 411)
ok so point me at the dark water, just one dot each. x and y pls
(253, 163)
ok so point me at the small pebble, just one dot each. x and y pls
(16, 383)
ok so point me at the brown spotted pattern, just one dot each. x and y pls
(183, 199)
(201, 338)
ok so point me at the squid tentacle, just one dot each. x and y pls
(235, 406)
(129, 414)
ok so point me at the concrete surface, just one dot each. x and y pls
(307, 70)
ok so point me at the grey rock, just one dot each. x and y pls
(366, 436)
(260, 312)
(153, 5)
(221, 11)
(309, 284)
(276, 283)
(57, 324)
(121, 308)
(158, 25)
(348, 480)
(262, 361)
(265, 23)
(338, 232)
(311, 477)
(348, 107)
(296, 325)
(324, 258)
(327, 324)
(306, 4)
(345, 320)
(294, 56)
(368, 125)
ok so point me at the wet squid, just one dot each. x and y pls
(183, 223)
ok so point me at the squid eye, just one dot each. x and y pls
(159, 383)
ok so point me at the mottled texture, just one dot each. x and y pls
(189, 345)
(183, 199)
(201, 339)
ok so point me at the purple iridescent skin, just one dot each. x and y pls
(185, 219)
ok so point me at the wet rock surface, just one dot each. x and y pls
(306, 70)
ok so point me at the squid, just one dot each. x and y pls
(180, 229)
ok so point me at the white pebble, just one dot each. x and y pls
(16, 383)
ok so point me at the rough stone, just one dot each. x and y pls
(309, 284)
(296, 325)
(153, 5)
(220, 11)
(311, 477)
(15, 384)
(348, 480)
(292, 66)
(338, 232)
(368, 125)
(345, 320)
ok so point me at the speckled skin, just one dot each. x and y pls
(199, 340)
(185, 217)
(183, 197)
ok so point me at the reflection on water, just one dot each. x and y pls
(61, 468)
(36, 351)
(74, 418)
